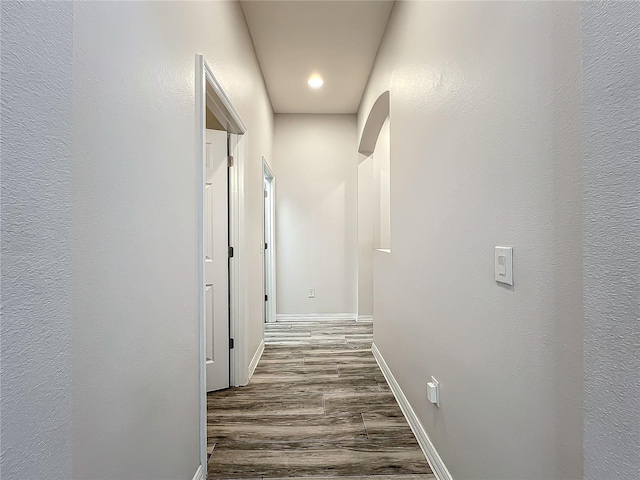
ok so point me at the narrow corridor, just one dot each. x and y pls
(317, 406)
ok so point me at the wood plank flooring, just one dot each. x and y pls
(317, 407)
(319, 332)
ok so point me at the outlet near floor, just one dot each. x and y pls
(312, 293)
(433, 391)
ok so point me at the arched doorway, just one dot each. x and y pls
(373, 199)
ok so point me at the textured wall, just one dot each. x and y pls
(99, 226)
(485, 109)
(611, 62)
(35, 329)
(365, 235)
(381, 186)
(316, 212)
(135, 344)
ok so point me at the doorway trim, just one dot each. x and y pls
(270, 240)
(209, 93)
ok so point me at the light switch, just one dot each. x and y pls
(504, 265)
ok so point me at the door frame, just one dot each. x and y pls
(269, 228)
(209, 93)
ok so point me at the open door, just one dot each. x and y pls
(216, 260)
(269, 244)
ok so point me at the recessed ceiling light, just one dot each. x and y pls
(315, 81)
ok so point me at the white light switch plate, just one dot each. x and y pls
(504, 265)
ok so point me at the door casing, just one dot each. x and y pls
(209, 93)
(269, 230)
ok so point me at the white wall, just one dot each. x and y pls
(611, 62)
(365, 235)
(382, 182)
(374, 215)
(99, 231)
(485, 151)
(316, 163)
(36, 182)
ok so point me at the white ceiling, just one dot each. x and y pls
(336, 39)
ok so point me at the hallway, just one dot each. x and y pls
(466, 173)
(317, 406)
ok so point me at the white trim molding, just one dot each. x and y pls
(238, 273)
(365, 318)
(200, 474)
(437, 465)
(303, 317)
(255, 360)
(200, 95)
(220, 105)
(270, 239)
(209, 93)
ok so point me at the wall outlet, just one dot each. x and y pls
(312, 293)
(433, 391)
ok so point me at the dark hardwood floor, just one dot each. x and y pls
(317, 406)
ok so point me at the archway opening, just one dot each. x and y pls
(374, 199)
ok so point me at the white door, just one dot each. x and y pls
(216, 260)
(269, 245)
(265, 257)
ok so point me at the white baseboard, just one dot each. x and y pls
(200, 474)
(437, 465)
(255, 360)
(301, 317)
(365, 318)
